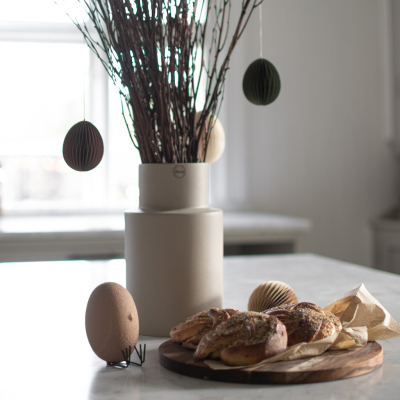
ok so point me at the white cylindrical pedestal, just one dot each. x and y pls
(173, 247)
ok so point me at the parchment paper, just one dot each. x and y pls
(363, 319)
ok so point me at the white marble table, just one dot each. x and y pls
(44, 352)
(101, 236)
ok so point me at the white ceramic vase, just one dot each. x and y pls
(173, 247)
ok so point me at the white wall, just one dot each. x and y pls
(321, 150)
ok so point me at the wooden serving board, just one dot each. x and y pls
(330, 366)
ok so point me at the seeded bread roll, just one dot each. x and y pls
(306, 322)
(190, 332)
(244, 339)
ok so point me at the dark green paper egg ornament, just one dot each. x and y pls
(83, 147)
(261, 82)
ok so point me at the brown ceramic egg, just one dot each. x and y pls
(112, 322)
(271, 294)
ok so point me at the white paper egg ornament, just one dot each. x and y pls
(112, 324)
(271, 294)
(216, 142)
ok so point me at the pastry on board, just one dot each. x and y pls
(244, 339)
(306, 322)
(190, 332)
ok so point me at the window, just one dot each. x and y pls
(44, 80)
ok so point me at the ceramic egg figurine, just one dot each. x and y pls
(112, 322)
(216, 143)
(271, 294)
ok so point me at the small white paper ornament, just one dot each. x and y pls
(271, 294)
(216, 143)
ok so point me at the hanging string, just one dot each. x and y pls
(261, 46)
(84, 80)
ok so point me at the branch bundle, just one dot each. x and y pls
(156, 53)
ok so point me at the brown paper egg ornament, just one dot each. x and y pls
(261, 82)
(112, 322)
(83, 147)
(271, 294)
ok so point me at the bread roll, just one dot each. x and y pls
(244, 339)
(190, 332)
(306, 322)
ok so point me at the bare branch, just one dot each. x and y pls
(155, 52)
